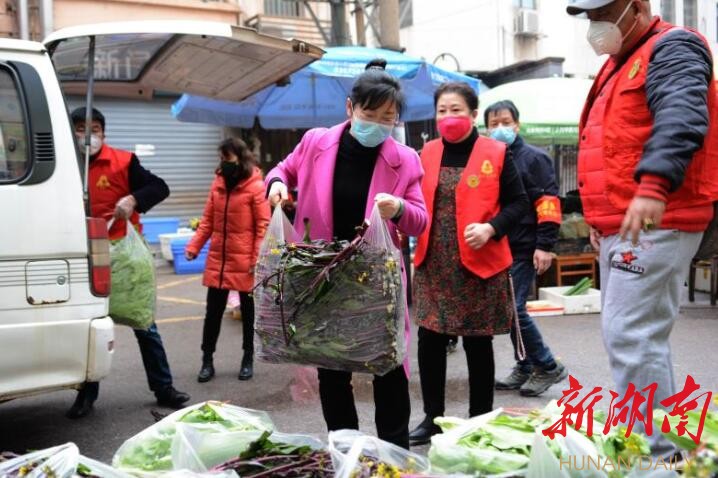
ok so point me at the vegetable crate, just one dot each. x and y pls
(181, 264)
(587, 303)
(167, 239)
(152, 227)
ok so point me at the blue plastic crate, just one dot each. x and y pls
(152, 227)
(181, 264)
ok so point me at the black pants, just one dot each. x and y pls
(391, 402)
(432, 370)
(216, 304)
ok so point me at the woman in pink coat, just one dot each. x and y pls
(235, 219)
(339, 174)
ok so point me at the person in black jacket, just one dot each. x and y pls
(110, 199)
(531, 243)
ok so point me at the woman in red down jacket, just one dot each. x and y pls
(235, 219)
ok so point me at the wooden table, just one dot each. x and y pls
(570, 265)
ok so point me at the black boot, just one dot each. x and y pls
(207, 371)
(247, 370)
(422, 434)
(82, 406)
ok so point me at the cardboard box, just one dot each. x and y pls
(588, 303)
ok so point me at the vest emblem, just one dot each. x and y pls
(103, 182)
(634, 69)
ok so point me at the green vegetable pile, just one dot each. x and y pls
(336, 305)
(581, 287)
(500, 443)
(133, 293)
(702, 458)
(152, 449)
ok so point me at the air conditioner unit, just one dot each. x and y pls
(526, 23)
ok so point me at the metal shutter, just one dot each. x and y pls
(185, 154)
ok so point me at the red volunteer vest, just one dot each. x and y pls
(108, 183)
(615, 125)
(477, 200)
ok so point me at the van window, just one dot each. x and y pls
(15, 162)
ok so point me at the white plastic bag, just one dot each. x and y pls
(133, 295)
(349, 447)
(185, 439)
(447, 455)
(56, 462)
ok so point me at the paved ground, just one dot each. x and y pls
(125, 402)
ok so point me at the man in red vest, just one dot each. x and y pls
(648, 176)
(121, 188)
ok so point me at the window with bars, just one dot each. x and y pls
(690, 13)
(406, 13)
(668, 10)
(526, 4)
(282, 8)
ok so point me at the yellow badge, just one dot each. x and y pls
(487, 168)
(634, 69)
(473, 181)
(103, 182)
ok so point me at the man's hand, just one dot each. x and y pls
(478, 234)
(125, 207)
(542, 261)
(278, 193)
(190, 256)
(389, 206)
(643, 213)
(595, 237)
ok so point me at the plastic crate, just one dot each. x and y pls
(181, 264)
(166, 241)
(152, 227)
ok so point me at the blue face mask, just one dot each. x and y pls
(505, 134)
(368, 133)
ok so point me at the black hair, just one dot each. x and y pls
(246, 158)
(500, 106)
(375, 87)
(462, 89)
(79, 115)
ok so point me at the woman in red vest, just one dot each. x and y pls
(235, 219)
(474, 195)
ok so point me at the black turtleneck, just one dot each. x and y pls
(352, 178)
(512, 197)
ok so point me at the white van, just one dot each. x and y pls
(54, 260)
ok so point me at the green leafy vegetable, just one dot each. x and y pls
(133, 293)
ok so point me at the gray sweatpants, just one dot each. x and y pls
(640, 294)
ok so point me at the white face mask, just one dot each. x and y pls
(606, 37)
(95, 144)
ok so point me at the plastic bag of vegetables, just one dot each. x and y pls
(62, 461)
(356, 455)
(195, 438)
(492, 444)
(335, 305)
(133, 293)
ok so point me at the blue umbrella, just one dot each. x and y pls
(316, 94)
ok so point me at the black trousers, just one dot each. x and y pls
(432, 370)
(216, 304)
(391, 402)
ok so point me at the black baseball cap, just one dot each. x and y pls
(580, 6)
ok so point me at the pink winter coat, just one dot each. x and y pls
(236, 224)
(310, 170)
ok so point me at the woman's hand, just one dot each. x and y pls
(477, 235)
(278, 193)
(190, 256)
(389, 206)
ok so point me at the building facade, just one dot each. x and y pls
(486, 35)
